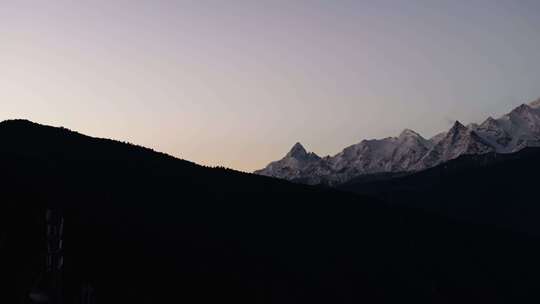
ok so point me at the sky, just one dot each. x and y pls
(236, 83)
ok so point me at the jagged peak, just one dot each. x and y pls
(490, 121)
(458, 126)
(522, 108)
(368, 156)
(456, 130)
(297, 151)
(409, 133)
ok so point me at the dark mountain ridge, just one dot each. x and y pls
(496, 189)
(145, 227)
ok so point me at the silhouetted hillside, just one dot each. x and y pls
(144, 227)
(496, 189)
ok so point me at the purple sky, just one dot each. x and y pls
(237, 83)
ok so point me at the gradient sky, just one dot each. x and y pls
(237, 83)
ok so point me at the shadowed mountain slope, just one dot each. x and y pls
(496, 189)
(144, 227)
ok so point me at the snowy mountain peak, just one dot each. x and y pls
(297, 151)
(459, 140)
(522, 109)
(409, 133)
(456, 130)
(410, 151)
(457, 127)
(297, 164)
(525, 116)
(490, 121)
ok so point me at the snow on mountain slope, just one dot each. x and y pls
(523, 125)
(435, 139)
(495, 134)
(515, 130)
(459, 140)
(410, 151)
(391, 154)
(298, 164)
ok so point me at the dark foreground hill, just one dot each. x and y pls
(494, 189)
(144, 227)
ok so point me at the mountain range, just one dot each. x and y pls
(145, 227)
(491, 189)
(410, 152)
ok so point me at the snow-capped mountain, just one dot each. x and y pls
(298, 164)
(410, 151)
(391, 154)
(457, 141)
